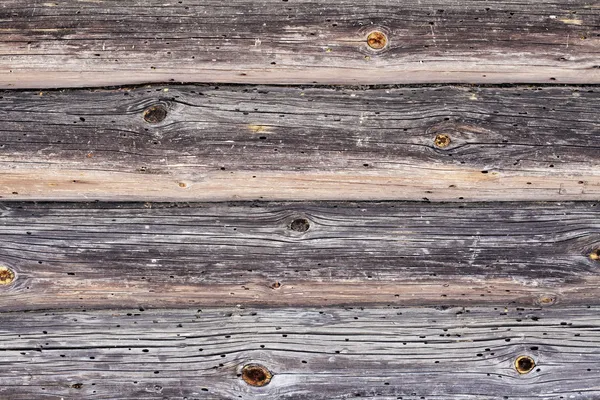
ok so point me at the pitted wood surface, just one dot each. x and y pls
(207, 143)
(323, 353)
(72, 43)
(97, 255)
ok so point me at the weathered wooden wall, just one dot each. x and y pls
(208, 143)
(112, 42)
(178, 223)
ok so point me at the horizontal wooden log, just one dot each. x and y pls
(326, 353)
(206, 143)
(83, 43)
(70, 255)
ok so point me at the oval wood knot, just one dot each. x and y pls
(546, 300)
(256, 375)
(155, 114)
(377, 40)
(524, 364)
(442, 140)
(7, 276)
(300, 225)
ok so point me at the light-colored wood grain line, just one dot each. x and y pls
(75, 43)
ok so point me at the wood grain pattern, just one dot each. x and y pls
(325, 353)
(110, 42)
(176, 255)
(279, 143)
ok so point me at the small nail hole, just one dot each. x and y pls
(155, 114)
(524, 364)
(256, 375)
(300, 225)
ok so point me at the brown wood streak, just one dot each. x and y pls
(99, 255)
(284, 143)
(324, 353)
(98, 43)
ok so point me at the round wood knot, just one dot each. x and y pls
(377, 40)
(256, 375)
(595, 255)
(442, 140)
(524, 364)
(546, 300)
(300, 225)
(7, 276)
(155, 114)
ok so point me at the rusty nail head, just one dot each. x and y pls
(377, 40)
(524, 364)
(7, 276)
(256, 375)
(442, 140)
(155, 114)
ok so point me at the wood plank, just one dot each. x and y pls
(110, 42)
(326, 353)
(283, 143)
(70, 255)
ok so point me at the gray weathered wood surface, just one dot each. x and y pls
(325, 353)
(333, 284)
(112, 42)
(281, 143)
(167, 255)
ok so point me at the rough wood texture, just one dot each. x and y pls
(382, 353)
(111, 42)
(277, 143)
(159, 255)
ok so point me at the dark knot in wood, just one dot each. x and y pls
(256, 375)
(524, 364)
(300, 225)
(155, 114)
